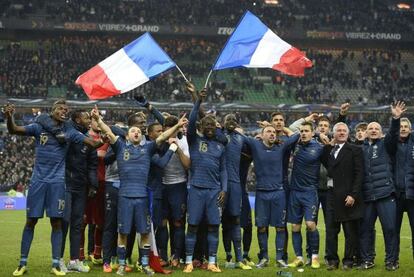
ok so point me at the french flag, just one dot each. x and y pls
(253, 44)
(126, 69)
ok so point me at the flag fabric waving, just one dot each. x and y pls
(126, 69)
(253, 44)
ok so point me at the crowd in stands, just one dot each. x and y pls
(17, 157)
(56, 62)
(347, 15)
(356, 16)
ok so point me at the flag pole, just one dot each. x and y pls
(179, 69)
(208, 77)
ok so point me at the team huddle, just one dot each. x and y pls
(179, 172)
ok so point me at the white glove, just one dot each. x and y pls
(173, 147)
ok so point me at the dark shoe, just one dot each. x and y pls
(390, 266)
(332, 266)
(367, 265)
(347, 267)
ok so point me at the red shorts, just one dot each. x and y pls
(95, 207)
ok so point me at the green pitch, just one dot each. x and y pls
(11, 226)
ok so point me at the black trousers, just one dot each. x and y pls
(110, 232)
(333, 227)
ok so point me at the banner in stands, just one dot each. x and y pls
(355, 35)
(12, 203)
(40, 24)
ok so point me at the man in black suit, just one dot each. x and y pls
(345, 166)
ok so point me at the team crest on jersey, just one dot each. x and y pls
(126, 155)
(43, 138)
(228, 138)
(84, 149)
(203, 147)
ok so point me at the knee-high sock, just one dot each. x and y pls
(121, 252)
(213, 240)
(280, 243)
(56, 240)
(262, 238)
(144, 254)
(27, 238)
(297, 243)
(247, 240)
(314, 241)
(236, 236)
(190, 240)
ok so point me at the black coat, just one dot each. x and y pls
(347, 172)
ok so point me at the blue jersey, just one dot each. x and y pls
(286, 159)
(133, 166)
(155, 176)
(233, 154)
(50, 155)
(208, 165)
(245, 163)
(268, 163)
(306, 166)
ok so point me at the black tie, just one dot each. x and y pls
(334, 150)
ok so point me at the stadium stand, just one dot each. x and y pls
(48, 68)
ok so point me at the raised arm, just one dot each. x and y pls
(343, 113)
(191, 89)
(104, 128)
(183, 153)
(392, 136)
(162, 161)
(192, 123)
(295, 126)
(13, 129)
(167, 134)
(143, 102)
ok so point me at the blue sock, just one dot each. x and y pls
(314, 241)
(56, 239)
(144, 254)
(27, 239)
(262, 238)
(162, 241)
(297, 243)
(280, 243)
(236, 235)
(190, 241)
(179, 237)
(308, 248)
(121, 252)
(213, 241)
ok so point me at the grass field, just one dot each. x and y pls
(11, 225)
